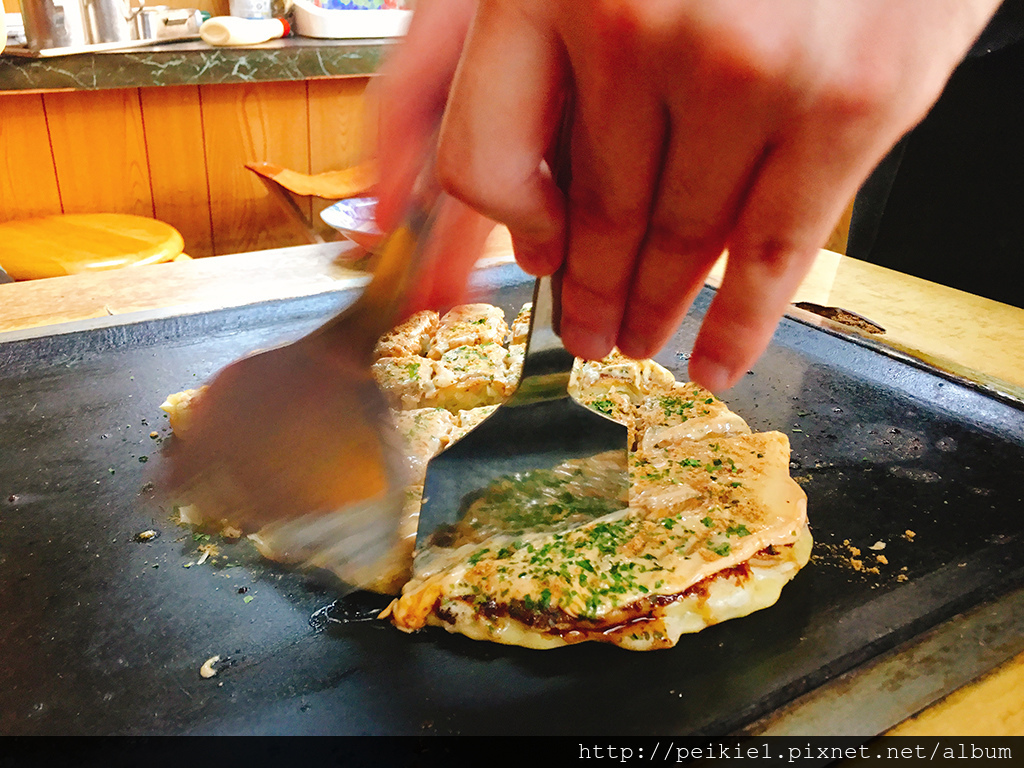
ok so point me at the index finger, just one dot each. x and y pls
(411, 95)
(801, 190)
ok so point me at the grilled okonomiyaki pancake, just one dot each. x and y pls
(711, 528)
(681, 413)
(469, 325)
(520, 327)
(412, 337)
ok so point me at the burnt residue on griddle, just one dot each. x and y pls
(840, 315)
(352, 608)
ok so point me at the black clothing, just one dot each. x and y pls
(947, 203)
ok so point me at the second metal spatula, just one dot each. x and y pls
(296, 441)
(540, 462)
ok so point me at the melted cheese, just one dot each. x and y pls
(413, 382)
(620, 375)
(481, 376)
(469, 324)
(725, 595)
(520, 328)
(424, 432)
(411, 337)
(178, 409)
(695, 512)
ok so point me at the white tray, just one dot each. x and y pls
(311, 21)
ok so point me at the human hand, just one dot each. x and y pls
(410, 98)
(698, 126)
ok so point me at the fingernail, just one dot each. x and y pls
(585, 344)
(536, 258)
(634, 348)
(710, 374)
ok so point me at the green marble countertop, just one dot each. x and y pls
(194, 63)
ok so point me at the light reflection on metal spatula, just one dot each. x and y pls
(297, 440)
(512, 472)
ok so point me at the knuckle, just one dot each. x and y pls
(645, 320)
(862, 95)
(744, 58)
(502, 193)
(599, 211)
(583, 290)
(771, 256)
(454, 174)
(682, 238)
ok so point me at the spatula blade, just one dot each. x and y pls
(526, 451)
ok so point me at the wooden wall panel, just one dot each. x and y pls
(178, 154)
(173, 121)
(342, 131)
(215, 7)
(99, 149)
(28, 180)
(339, 133)
(247, 123)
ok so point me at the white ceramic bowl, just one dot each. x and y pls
(354, 218)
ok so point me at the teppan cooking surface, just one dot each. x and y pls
(102, 633)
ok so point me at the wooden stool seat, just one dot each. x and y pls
(67, 244)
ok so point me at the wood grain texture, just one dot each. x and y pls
(176, 154)
(990, 706)
(943, 325)
(28, 179)
(51, 246)
(99, 150)
(202, 284)
(252, 123)
(215, 7)
(841, 231)
(341, 131)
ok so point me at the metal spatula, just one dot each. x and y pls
(300, 437)
(528, 466)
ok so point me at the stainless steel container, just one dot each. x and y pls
(163, 23)
(54, 24)
(111, 21)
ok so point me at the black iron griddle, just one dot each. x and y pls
(101, 633)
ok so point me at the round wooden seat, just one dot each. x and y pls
(64, 245)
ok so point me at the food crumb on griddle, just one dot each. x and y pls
(208, 551)
(188, 515)
(848, 557)
(208, 670)
(909, 535)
